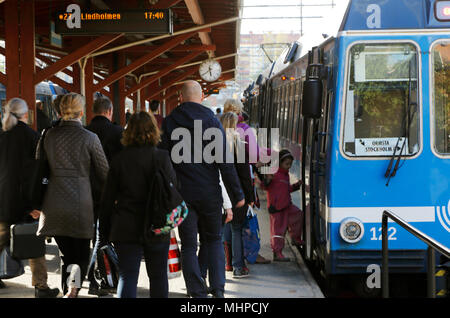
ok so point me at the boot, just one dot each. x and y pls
(228, 257)
(279, 257)
(46, 292)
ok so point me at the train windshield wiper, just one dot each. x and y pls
(406, 122)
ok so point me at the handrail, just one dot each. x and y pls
(432, 246)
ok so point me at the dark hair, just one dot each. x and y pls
(102, 105)
(218, 110)
(245, 116)
(154, 105)
(285, 154)
(142, 130)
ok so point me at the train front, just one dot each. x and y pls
(392, 128)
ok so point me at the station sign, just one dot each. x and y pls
(379, 146)
(75, 21)
(214, 91)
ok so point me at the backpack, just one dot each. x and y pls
(165, 208)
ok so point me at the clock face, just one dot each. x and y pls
(210, 70)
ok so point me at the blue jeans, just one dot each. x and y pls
(130, 256)
(232, 233)
(237, 245)
(227, 233)
(204, 218)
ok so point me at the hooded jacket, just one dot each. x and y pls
(198, 181)
(279, 190)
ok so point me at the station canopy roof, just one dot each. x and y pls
(219, 41)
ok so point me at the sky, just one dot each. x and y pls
(325, 15)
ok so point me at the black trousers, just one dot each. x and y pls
(75, 254)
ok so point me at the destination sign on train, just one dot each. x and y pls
(379, 146)
(76, 21)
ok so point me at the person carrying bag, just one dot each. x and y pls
(140, 205)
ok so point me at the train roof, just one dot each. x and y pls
(311, 38)
(396, 14)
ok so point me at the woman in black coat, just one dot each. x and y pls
(229, 121)
(123, 207)
(17, 164)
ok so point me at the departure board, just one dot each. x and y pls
(75, 21)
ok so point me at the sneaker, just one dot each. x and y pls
(261, 260)
(46, 292)
(299, 244)
(95, 290)
(218, 294)
(279, 257)
(240, 272)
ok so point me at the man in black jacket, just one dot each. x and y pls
(110, 136)
(199, 185)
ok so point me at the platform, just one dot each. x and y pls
(280, 280)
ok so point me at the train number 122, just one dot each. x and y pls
(391, 234)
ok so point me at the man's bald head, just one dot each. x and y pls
(192, 92)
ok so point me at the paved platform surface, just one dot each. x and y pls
(274, 280)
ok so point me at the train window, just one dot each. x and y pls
(287, 103)
(441, 92)
(300, 120)
(278, 109)
(286, 111)
(382, 113)
(282, 110)
(296, 111)
(290, 117)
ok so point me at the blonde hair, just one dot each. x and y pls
(71, 106)
(233, 105)
(15, 109)
(229, 121)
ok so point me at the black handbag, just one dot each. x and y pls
(41, 174)
(106, 270)
(24, 243)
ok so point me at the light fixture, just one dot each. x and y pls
(351, 230)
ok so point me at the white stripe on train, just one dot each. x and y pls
(374, 214)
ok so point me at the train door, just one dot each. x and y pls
(314, 147)
(306, 165)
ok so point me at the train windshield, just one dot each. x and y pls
(441, 93)
(381, 110)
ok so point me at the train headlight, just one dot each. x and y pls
(351, 230)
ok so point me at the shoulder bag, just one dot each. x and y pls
(165, 208)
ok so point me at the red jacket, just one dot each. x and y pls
(279, 190)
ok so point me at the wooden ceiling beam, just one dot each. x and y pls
(143, 60)
(73, 57)
(163, 72)
(197, 16)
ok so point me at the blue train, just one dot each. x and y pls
(367, 115)
(46, 92)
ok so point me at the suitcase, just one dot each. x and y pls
(9, 267)
(24, 243)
